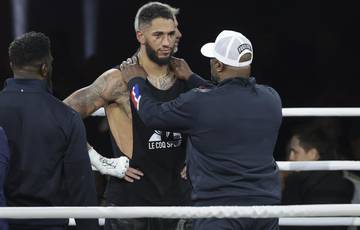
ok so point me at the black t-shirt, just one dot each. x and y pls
(160, 155)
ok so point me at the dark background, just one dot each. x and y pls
(306, 50)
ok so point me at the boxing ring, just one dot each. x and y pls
(296, 215)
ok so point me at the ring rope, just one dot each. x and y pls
(291, 221)
(266, 211)
(318, 165)
(306, 112)
(313, 165)
(295, 112)
(320, 221)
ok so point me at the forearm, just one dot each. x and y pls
(195, 81)
(96, 159)
(84, 102)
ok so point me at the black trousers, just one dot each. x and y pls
(236, 224)
(147, 224)
(27, 227)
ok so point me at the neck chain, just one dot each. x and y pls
(163, 82)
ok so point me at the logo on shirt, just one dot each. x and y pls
(135, 96)
(164, 140)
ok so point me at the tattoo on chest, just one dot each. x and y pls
(162, 83)
(165, 83)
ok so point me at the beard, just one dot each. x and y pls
(151, 53)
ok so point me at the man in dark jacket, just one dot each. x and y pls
(232, 128)
(4, 164)
(49, 163)
(313, 143)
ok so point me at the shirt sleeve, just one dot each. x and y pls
(195, 81)
(78, 173)
(176, 115)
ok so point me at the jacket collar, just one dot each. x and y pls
(34, 85)
(239, 80)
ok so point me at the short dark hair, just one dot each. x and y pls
(151, 11)
(315, 137)
(29, 49)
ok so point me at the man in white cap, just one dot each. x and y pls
(232, 129)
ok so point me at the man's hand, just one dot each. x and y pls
(132, 174)
(116, 167)
(183, 173)
(131, 69)
(181, 68)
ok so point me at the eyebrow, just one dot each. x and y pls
(162, 32)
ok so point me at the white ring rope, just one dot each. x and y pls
(266, 211)
(320, 221)
(306, 112)
(296, 112)
(313, 165)
(318, 165)
(290, 221)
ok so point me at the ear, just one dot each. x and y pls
(219, 66)
(44, 69)
(314, 154)
(291, 156)
(140, 37)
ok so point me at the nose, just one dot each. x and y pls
(168, 40)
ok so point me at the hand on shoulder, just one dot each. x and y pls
(180, 68)
(131, 69)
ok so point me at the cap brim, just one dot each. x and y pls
(208, 50)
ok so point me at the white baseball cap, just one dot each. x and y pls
(228, 48)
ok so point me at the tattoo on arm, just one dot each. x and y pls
(107, 88)
(86, 100)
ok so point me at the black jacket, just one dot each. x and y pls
(4, 163)
(49, 164)
(317, 187)
(232, 130)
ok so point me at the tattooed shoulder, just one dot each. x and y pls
(113, 85)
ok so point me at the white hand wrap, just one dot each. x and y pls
(109, 166)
